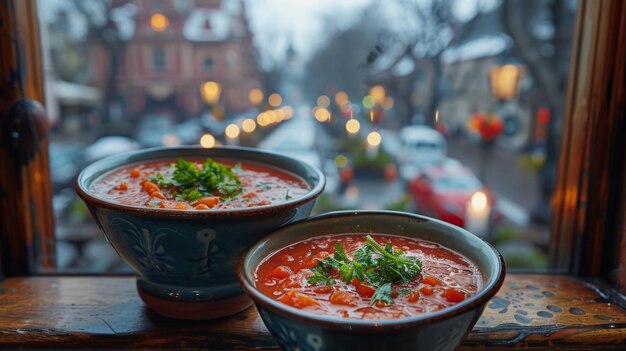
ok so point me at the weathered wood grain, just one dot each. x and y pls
(533, 311)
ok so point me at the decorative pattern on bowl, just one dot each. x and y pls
(186, 259)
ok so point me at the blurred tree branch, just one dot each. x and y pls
(106, 34)
(549, 72)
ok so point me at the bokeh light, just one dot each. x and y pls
(159, 22)
(231, 131)
(207, 141)
(275, 100)
(211, 92)
(262, 119)
(323, 101)
(387, 103)
(353, 126)
(288, 111)
(322, 114)
(368, 101)
(341, 98)
(374, 138)
(255, 96)
(248, 125)
(170, 140)
(341, 161)
(378, 93)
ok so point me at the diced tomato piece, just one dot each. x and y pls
(334, 271)
(280, 272)
(413, 296)
(134, 173)
(394, 292)
(430, 280)
(121, 186)
(158, 195)
(298, 300)
(365, 290)
(249, 195)
(356, 282)
(201, 207)
(323, 289)
(150, 187)
(343, 298)
(426, 290)
(453, 295)
(380, 304)
(343, 313)
(263, 203)
(181, 206)
(210, 201)
(311, 264)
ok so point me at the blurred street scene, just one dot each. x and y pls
(452, 109)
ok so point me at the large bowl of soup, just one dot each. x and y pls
(182, 217)
(371, 280)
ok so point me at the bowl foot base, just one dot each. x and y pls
(200, 310)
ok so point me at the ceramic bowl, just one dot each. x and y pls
(295, 329)
(186, 259)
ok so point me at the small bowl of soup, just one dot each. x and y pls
(182, 217)
(371, 280)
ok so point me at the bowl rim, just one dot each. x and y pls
(489, 290)
(100, 167)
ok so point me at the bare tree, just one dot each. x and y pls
(542, 35)
(423, 30)
(105, 27)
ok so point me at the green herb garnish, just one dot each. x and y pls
(377, 265)
(191, 183)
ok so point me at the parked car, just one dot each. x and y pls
(420, 147)
(443, 191)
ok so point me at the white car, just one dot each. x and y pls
(420, 146)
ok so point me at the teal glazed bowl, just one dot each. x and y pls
(295, 329)
(186, 259)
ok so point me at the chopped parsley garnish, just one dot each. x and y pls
(191, 183)
(377, 265)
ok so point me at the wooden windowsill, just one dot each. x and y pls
(532, 311)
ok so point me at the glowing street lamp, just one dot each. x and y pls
(210, 92)
(159, 22)
(505, 81)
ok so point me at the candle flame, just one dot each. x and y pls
(436, 116)
(479, 200)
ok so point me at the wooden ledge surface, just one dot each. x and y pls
(531, 311)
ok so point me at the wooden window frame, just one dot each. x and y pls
(533, 311)
(588, 207)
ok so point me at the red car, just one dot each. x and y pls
(443, 192)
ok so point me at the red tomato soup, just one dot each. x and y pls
(302, 275)
(198, 185)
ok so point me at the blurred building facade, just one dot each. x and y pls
(173, 48)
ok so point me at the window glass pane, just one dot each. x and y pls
(158, 59)
(452, 109)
